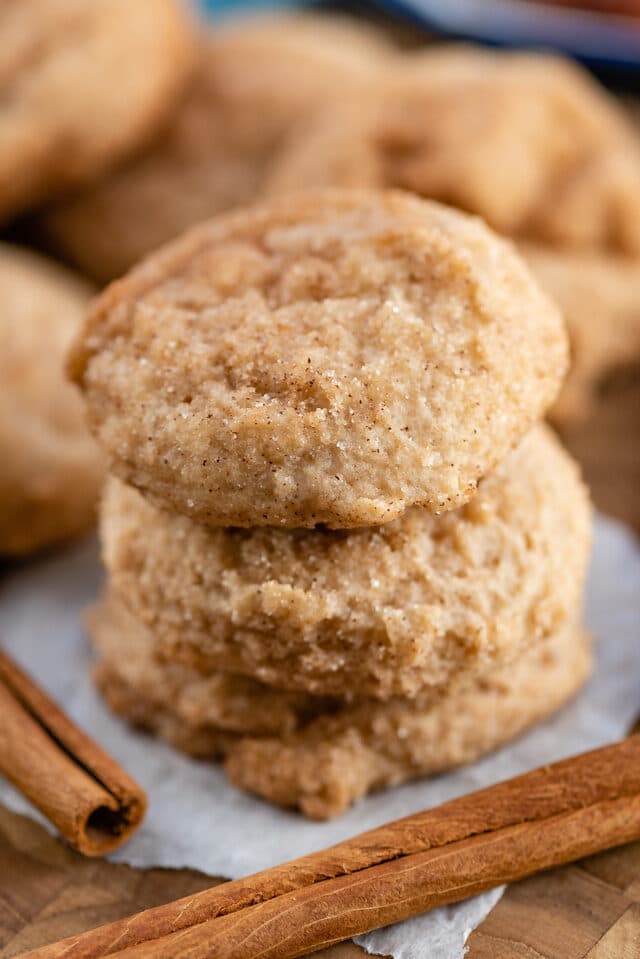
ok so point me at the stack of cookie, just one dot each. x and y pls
(341, 552)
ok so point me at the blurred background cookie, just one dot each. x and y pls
(599, 295)
(256, 82)
(528, 142)
(83, 83)
(50, 469)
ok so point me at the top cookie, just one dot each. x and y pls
(331, 357)
(83, 84)
(530, 143)
(254, 81)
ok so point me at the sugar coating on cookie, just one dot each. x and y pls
(83, 83)
(378, 612)
(599, 295)
(256, 82)
(328, 358)
(231, 703)
(531, 143)
(50, 467)
(333, 761)
(317, 756)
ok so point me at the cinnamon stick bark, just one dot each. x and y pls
(535, 821)
(301, 922)
(87, 796)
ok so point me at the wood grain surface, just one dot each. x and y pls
(47, 891)
(590, 910)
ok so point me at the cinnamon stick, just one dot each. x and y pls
(536, 821)
(93, 803)
(317, 916)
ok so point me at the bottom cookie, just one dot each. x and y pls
(317, 754)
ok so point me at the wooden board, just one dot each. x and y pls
(590, 910)
(585, 911)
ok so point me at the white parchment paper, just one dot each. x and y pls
(197, 819)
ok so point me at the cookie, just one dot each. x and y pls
(332, 357)
(597, 206)
(607, 445)
(377, 612)
(83, 84)
(292, 61)
(600, 298)
(530, 143)
(255, 81)
(321, 761)
(50, 468)
(230, 703)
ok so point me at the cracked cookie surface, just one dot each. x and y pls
(329, 358)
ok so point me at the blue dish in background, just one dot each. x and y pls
(601, 39)
(610, 43)
(222, 8)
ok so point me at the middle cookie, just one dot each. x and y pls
(374, 612)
